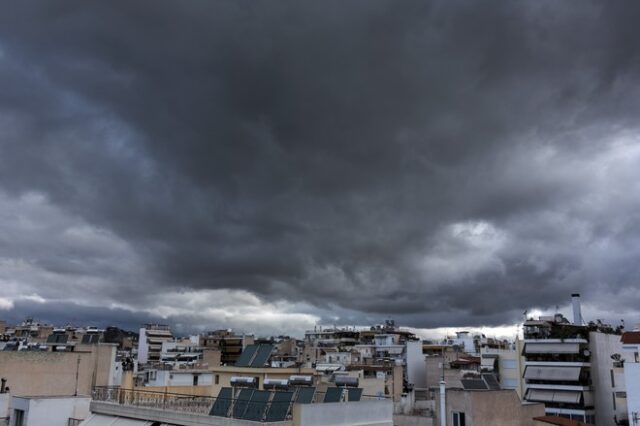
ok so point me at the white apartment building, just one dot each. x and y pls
(575, 368)
(150, 342)
(631, 367)
(557, 367)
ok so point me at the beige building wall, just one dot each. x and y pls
(54, 373)
(491, 408)
(434, 373)
(510, 367)
(211, 358)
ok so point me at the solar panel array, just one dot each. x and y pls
(272, 406)
(279, 407)
(242, 401)
(90, 339)
(255, 356)
(11, 346)
(57, 338)
(257, 406)
(333, 395)
(246, 356)
(254, 405)
(474, 384)
(262, 356)
(354, 394)
(492, 381)
(305, 394)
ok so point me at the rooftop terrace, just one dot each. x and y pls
(246, 406)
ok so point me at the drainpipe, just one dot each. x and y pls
(443, 404)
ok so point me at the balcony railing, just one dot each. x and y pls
(195, 404)
(150, 399)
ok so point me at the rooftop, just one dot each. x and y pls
(631, 338)
(243, 407)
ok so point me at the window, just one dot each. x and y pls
(195, 380)
(613, 381)
(614, 401)
(19, 417)
(217, 379)
(458, 419)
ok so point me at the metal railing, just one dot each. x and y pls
(199, 404)
(153, 399)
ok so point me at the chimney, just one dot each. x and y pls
(577, 313)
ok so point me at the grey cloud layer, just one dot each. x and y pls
(440, 162)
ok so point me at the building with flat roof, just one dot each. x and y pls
(48, 410)
(228, 343)
(243, 406)
(49, 373)
(571, 368)
(150, 342)
(466, 407)
(630, 363)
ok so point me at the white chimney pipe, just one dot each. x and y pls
(577, 313)
(443, 404)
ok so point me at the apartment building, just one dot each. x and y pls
(55, 373)
(506, 365)
(573, 368)
(488, 408)
(558, 367)
(228, 343)
(150, 342)
(630, 363)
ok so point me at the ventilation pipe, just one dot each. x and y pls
(443, 404)
(577, 313)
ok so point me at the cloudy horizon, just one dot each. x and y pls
(269, 166)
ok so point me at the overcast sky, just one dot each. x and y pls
(270, 165)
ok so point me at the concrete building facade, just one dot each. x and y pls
(49, 411)
(43, 373)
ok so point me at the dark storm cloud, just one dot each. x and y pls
(441, 162)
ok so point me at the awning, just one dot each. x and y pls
(543, 395)
(551, 348)
(539, 395)
(553, 374)
(328, 367)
